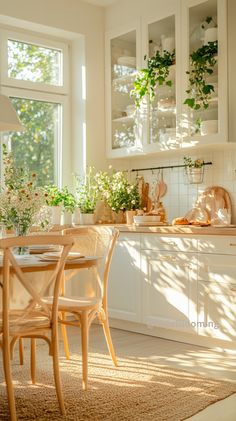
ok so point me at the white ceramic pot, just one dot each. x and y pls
(87, 219)
(67, 218)
(56, 215)
(210, 35)
(76, 216)
(209, 127)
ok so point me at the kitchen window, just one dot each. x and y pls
(34, 74)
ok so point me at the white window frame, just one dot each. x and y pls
(43, 92)
(40, 42)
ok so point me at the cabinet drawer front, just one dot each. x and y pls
(169, 243)
(217, 244)
(217, 269)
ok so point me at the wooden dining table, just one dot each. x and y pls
(35, 263)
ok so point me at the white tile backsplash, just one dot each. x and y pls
(181, 196)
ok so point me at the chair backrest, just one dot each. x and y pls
(96, 241)
(25, 271)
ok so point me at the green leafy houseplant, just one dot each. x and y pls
(87, 193)
(54, 196)
(117, 191)
(156, 74)
(63, 198)
(202, 62)
(194, 169)
(193, 163)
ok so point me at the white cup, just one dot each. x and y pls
(168, 44)
(210, 35)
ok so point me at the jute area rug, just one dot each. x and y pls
(137, 390)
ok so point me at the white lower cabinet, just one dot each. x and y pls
(169, 290)
(182, 287)
(124, 288)
(217, 296)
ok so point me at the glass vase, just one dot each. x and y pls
(21, 231)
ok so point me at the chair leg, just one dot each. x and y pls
(107, 333)
(84, 343)
(21, 351)
(64, 337)
(8, 379)
(57, 377)
(33, 359)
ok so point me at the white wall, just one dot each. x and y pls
(78, 18)
(181, 196)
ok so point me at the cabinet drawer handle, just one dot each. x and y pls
(169, 243)
(232, 244)
(169, 258)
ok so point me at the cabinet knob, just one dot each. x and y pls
(232, 244)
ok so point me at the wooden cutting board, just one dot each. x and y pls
(213, 199)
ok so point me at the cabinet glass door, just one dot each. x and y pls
(162, 108)
(124, 126)
(205, 112)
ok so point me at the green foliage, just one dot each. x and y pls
(190, 163)
(34, 147)
(202, 62)
(117, 191)
(156, 74)
(54, 196)
(87, 192)
(63, 198)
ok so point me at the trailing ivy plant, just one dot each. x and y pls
(156, 74)
(202, 62)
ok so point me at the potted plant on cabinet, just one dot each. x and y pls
(87, 196)
(54, 199)
(121, 195)
(69, 205)
(194, 170)
(156, 74)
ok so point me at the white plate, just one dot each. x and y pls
(56, 255)
(150, 224)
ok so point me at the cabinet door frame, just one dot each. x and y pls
(122, 30)
(135, 314)
(222, 135)
(190, 324)
(169, 10)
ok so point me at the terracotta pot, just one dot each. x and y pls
(130, 217)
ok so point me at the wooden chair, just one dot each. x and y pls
(33, 318)
(93, 241)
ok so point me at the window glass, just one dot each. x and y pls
(34, 63)
(36, 147)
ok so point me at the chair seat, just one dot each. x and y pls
(76, 303)
(24, 326)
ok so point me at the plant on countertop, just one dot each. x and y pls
(63, 198)
(87, 193)
(21, 200)
(156, 74)
(202, 62)
(117, 191)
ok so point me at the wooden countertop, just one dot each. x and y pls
(170, 229)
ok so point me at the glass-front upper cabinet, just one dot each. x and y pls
(160, 60)
(204, 118)
(123, 126)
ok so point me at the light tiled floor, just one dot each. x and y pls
(208, 362)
